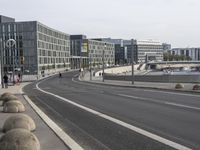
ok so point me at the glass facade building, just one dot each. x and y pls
(38, 49)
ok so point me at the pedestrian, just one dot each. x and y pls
(60, 75)
(19, 77)
(5, 80)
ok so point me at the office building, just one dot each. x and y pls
(91, 51)
(39, 49)
(149, 50)
(79, 56)
(193, 53)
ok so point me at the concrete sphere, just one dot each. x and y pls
(7, 98)
(19, 121)
(179, 86)
(19, 139)
(196, 87)
(13, 106)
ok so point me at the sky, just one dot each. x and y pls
(170, 21)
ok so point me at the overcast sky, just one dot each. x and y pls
(172, 21)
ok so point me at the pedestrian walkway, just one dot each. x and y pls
(188, 87)
(48, 139)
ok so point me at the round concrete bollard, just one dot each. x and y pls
(19, 139)
(5, 94)
(19, 121)
(196, 87)
(13, 106)
(7, 98)
(179, 86)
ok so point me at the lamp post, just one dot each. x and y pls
(10, 44)
(90, 67)
(2, 83)
(132, 63)
(103, 61)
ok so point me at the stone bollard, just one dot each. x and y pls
(13, 106)
(179, 86)
(19, 121)
(5, 94)
(19, 139)
(7, 98)
(196, 87)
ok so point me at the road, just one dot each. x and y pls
(172, 116)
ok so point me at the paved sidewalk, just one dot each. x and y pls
(153, 85)
(48, 139)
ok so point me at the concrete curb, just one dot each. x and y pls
(57, 130)
(141, 87)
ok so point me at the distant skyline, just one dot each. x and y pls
(172, 21)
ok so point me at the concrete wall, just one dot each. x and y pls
(157, 78)
(118, 70)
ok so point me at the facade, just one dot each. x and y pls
(89, 52)
(193, 53)
(6, 19)
(149, 50)
(123, 50)
(95, 51)
(38, 50)
(79, 57)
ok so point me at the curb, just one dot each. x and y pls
(140, 87)
(68, 141)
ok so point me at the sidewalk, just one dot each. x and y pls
(48, 139)
(150, 85)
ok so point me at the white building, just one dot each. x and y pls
(149, 50)
(193, 53)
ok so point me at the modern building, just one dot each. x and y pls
(91, 52)
(79, 56)
(123, 50)
(39, 49)
(149, 50)
(193, 53)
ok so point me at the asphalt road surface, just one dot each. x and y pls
(172, 116)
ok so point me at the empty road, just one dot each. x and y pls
(115, 118)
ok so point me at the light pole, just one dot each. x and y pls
(90, 66)
(103, 61)
(132, 63)
(2, 83)
(10, 44)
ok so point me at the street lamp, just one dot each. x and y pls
(12, 43)
(2, 83)
(90, 60)
(132, 62)
(103, 62)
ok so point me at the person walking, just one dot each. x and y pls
(5, 80)
(60, 75)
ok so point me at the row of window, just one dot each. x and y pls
(50, 60)
(51, 46)
(50, 32)
(43, 52)
(52, 39)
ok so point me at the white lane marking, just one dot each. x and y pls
(141, 98)
(63, 136)
(173, 93)
(121, 123)
(159, 101)
(184, 106)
